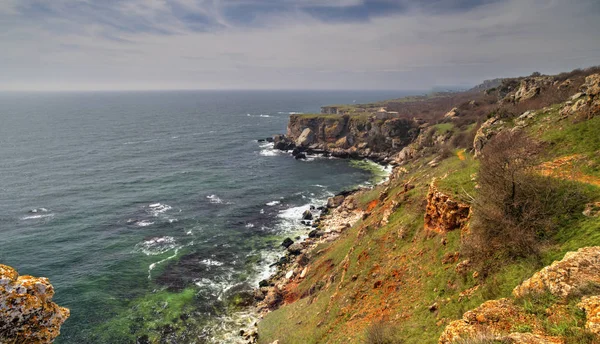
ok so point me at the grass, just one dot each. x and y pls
(443, 128)
(375, 275)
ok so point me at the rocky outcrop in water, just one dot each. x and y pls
(27, 313)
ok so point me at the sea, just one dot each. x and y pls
(150, 212)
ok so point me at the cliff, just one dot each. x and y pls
(445, 251)
(27, 313)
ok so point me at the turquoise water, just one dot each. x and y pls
(149, 210)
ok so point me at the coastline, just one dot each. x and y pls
(327, 224)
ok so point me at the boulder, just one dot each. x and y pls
(565, 277)
(442, 213)
(281, 142)
(592, 209)
(591, 306)
(315, 233)
(287, 242)
(300, 156)
(592, 85)
(344, 142)
(530, 88)
(27, 313)
(452, 113)
(295, 248)
(307, 215)
(306, 138)
(488, 129)
(336, 201)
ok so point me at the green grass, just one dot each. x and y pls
(443, 128)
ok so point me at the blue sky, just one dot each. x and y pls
(286, 44)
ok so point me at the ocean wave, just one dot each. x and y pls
(211, 262)
(143, 223)
(214, 199)
(249, 225)
(37, 216)
(157, 245)
(158, 208)
(261, 115)
(290, 113)
(273, 203)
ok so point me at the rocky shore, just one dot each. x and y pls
(324, 224)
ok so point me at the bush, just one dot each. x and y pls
(515, 208)
(382, 333)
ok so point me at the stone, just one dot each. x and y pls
(289, 274)
(287, 242)
(300, 156)
(591, 306)
(334, 202)
(452, 113)
(442, 214)
(303, 273)
(488, 129)
(592, 209)
(344, 143)
(295, 248)
(306, 138)
(565, 277)
(577, 95)
(27, 313)
(315, 233)
(307, 215)
(591, 86)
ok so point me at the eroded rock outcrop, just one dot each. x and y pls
(591, 306)
(442, 213)
(27, 313)
(351, 135)
(488, 129)
(564, 277)
(495, 320)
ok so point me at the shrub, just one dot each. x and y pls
(382, 333)
(515, 208)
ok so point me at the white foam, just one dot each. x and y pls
(273, 203)
(249, 225)
(214, 199)
(157, 245)
(211, 262)
(158, 208)
(40, 216)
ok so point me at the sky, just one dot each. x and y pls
(286, 44)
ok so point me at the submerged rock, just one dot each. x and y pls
(27, 313)
(287, 242)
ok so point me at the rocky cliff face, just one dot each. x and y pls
(351, 133)
(27, 313)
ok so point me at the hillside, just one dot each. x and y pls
(493, 186)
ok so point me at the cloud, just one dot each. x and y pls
(123, 44)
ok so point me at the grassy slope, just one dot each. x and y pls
(393, 273)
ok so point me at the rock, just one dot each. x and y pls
(530, 88)
(527, 115)
(259, 295)
(570, 109)
(289, 274)
(592, 85)
(462, 267)
(494, 318)
(488, 129)
(303, 273)
(443, 214)
(287, 242)
(273, 298)
(263, 283)
(564, 277)
(591, 306)
(27, 313)
(344, 143)
(315, 233)
(306, 138)
(300, 156)
(307, 215)
(433, 307)
(452, 113)
(295, 248)
(281, 142)
(577, 95)
(592, 209)
(334, 202)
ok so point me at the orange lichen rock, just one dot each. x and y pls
(591, 306)
(566, 276)
(495, 320)
(443, 214)
(27, 313)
